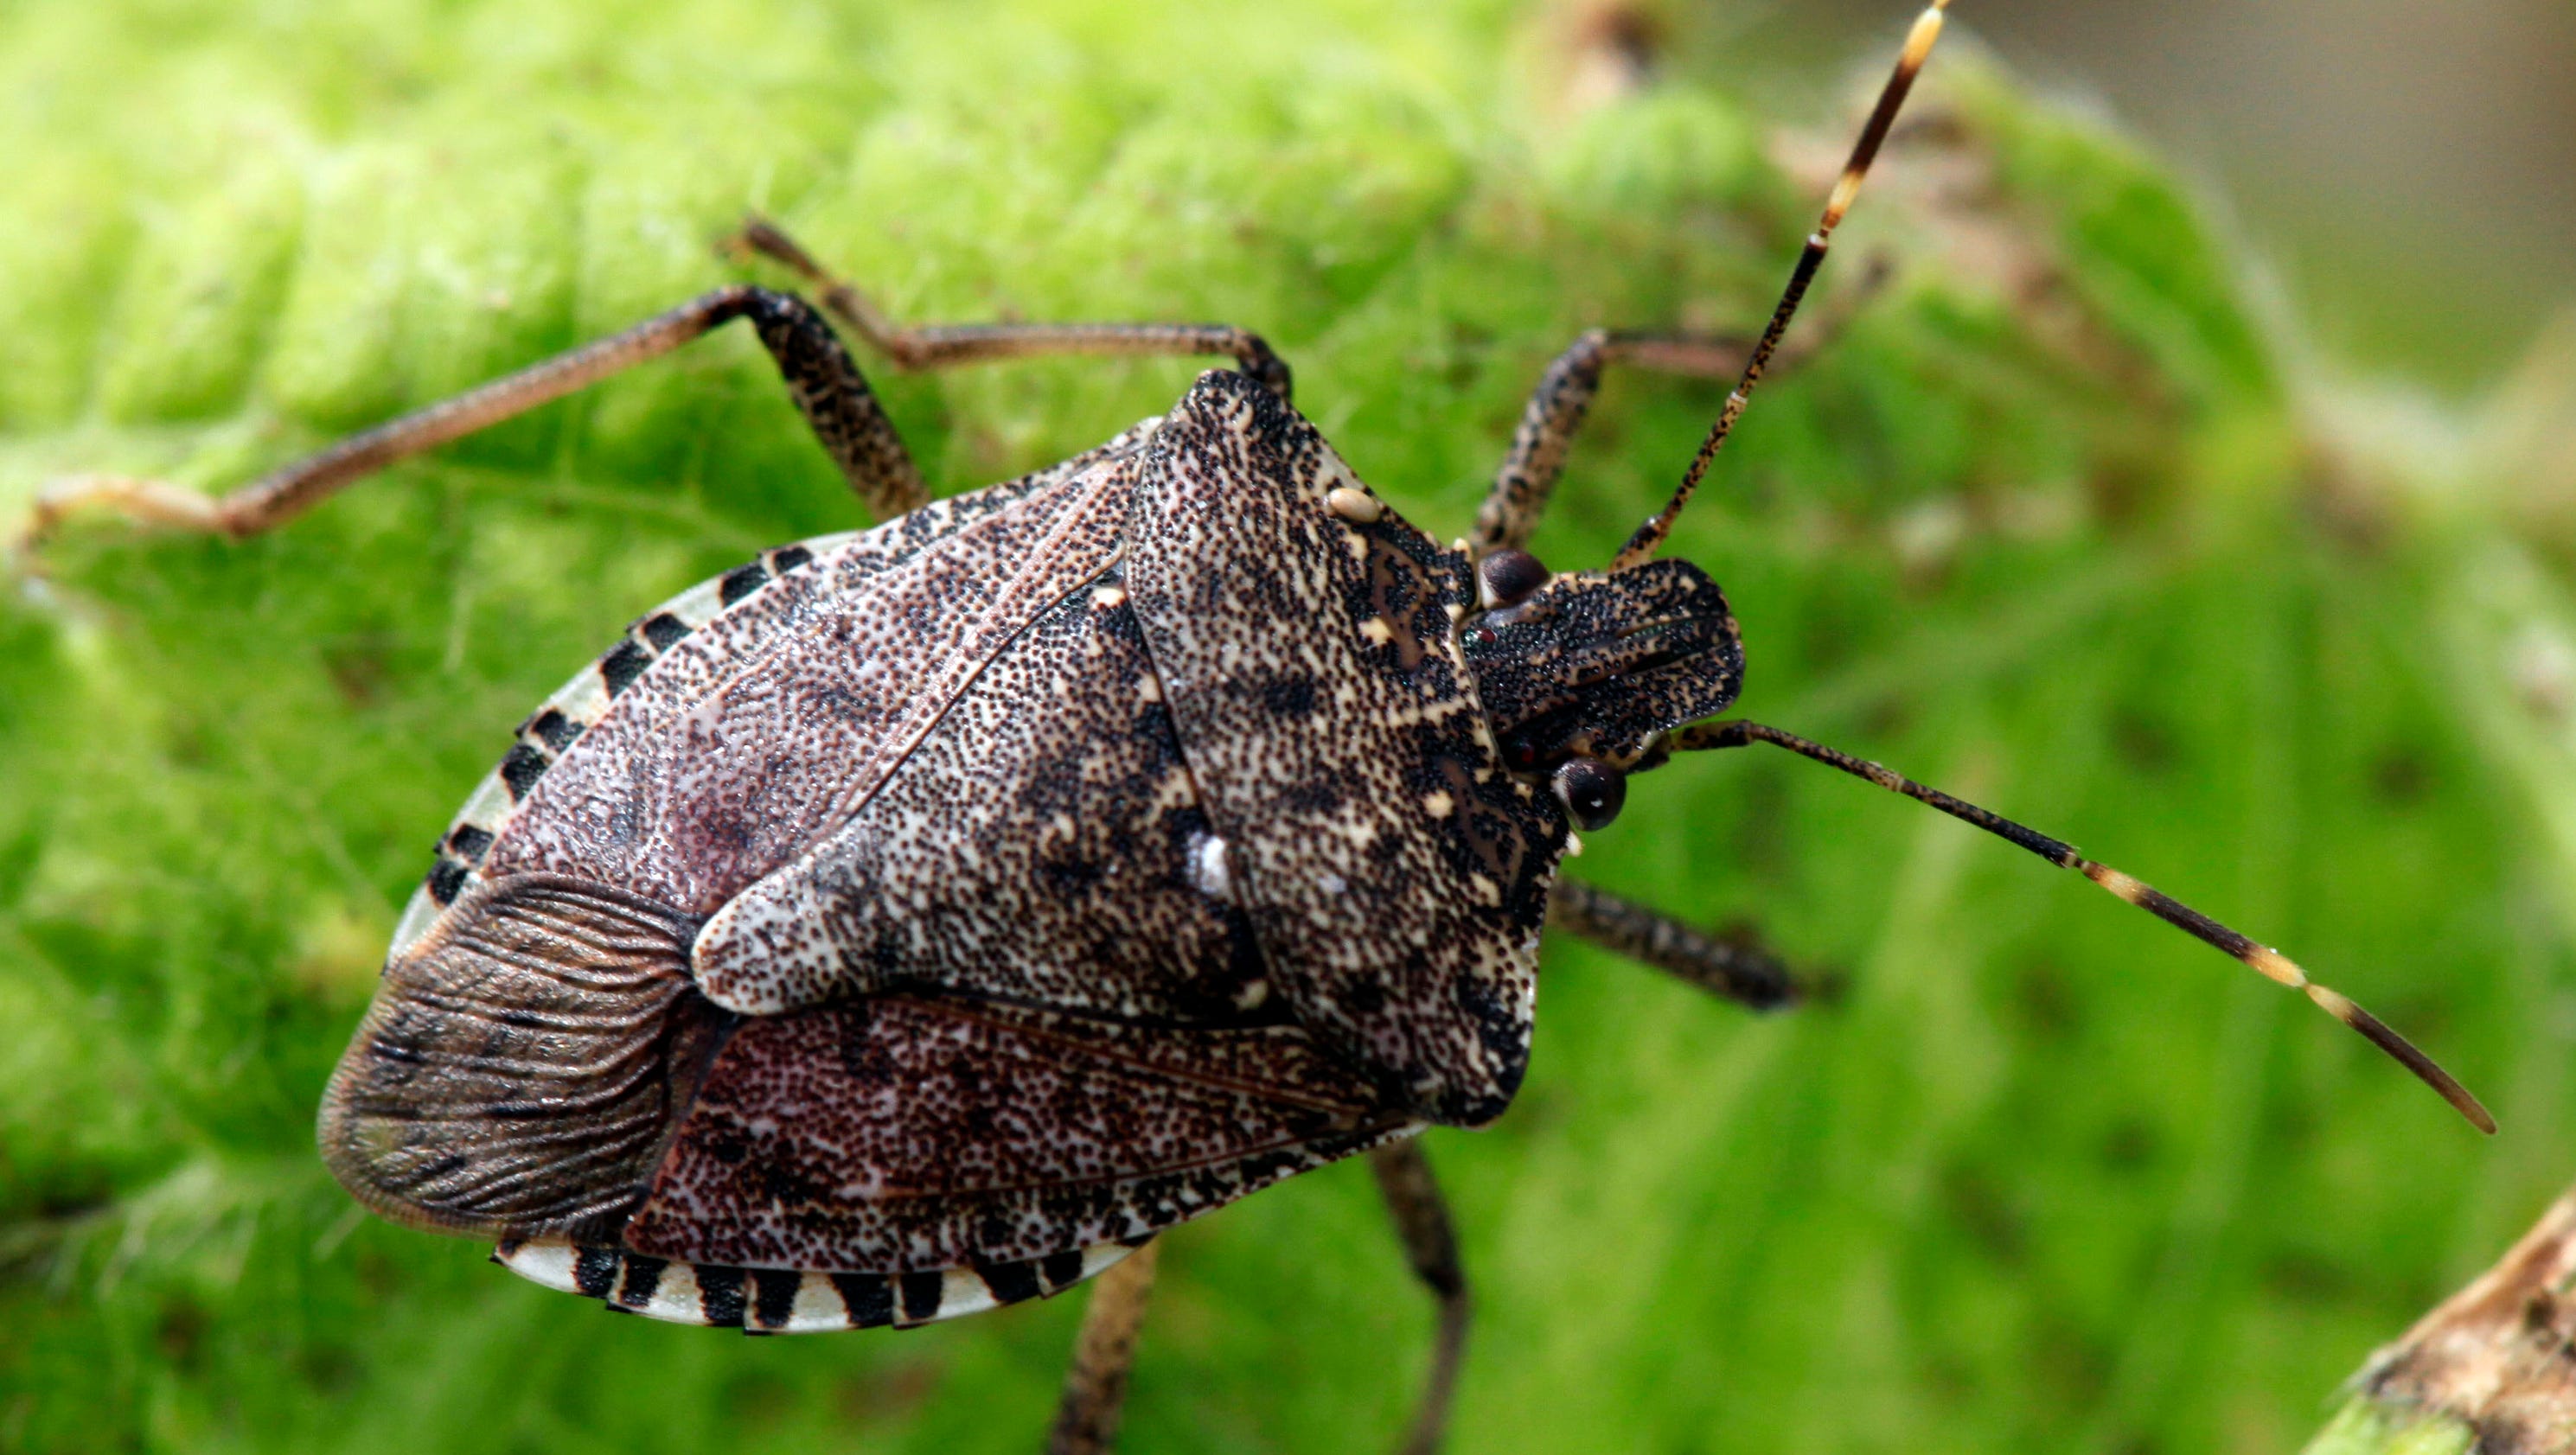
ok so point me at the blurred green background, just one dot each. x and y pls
(2075, 517)
(2405, 173)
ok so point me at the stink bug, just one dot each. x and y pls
(922, 919)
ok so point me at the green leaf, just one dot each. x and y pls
(2057, 522)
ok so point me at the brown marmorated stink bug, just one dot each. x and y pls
(921, 919)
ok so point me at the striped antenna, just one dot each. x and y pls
(1918, 44)
(2263, 958)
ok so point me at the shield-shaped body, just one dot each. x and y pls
(915, 920)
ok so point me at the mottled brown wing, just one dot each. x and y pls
(681, 654)
(754, 736)
(908, 1134)
(1395, 875)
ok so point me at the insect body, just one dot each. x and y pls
(921, 919)
(1017, 878)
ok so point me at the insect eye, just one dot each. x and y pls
(1591, 791)
(1509, 576)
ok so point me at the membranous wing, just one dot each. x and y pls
(523, 1063)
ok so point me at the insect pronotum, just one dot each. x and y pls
(921, 919)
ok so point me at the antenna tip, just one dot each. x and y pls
(2397, 1046)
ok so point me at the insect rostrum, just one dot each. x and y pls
(917, 920)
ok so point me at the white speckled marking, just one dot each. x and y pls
(1354, 505)
(1208, 872)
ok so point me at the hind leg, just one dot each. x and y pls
(820, 376)
(826, 385)
(1095, 1388)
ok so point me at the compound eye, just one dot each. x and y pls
(1592, 792)
(1509, 576)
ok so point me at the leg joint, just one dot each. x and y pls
(1254, 353)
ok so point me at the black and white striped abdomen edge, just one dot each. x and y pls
(787, 1301)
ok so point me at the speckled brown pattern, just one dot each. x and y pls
(916, 921)
(750, 740)
(1395, 874)
(909, 1133)
(1044, 843)
(589, 697)
(1603, 664)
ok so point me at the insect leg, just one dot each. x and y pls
(947, 345)
(1422, 1220)
(1095, 1388)
(1738, 972)
(1564, 395)
(826, 385)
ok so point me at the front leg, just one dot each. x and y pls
(825, 384)
(1724, 967)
